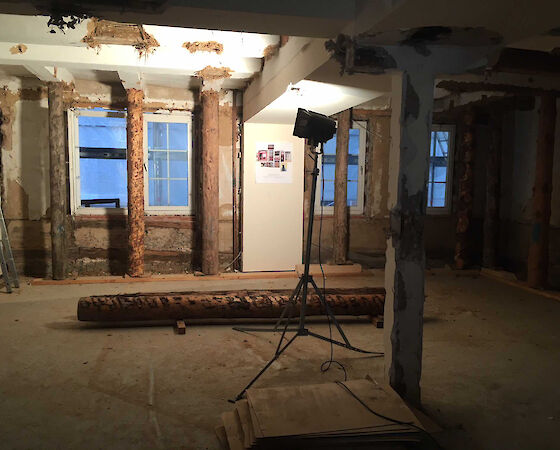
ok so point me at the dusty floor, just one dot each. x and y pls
(490, 374)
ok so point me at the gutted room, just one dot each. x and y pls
(291, 225)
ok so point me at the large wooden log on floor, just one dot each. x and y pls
(224, 305)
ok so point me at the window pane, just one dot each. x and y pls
(157, 193)
(103, 180)
(352, 193)
(440, 174)
(157, 135)
(178, 165)
(438, 195)
(330, 146)
(178, 193)
(441, 144)
(178, 137)
(102, 132)
(328, 194)
(157, 164)
(354, 142)
(328, 172)
(352, 173)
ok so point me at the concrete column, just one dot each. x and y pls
(491, 216)
(466, 193)
(135, 172)
(340, 219)
(209, 212)
(412, 101)
(58, 189)
(537, 263)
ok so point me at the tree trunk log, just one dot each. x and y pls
(340, 223)
(210, 183)
(224, 304)
(135, 175)
(466, 193)
(58, 179)
(491, 217)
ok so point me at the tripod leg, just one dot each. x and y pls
(329, 312)
(263, 370)
(294, 296)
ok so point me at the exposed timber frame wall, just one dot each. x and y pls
(58, 191)
(340, 232)
(135, 175)
(97, 244)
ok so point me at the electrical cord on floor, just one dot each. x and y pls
(389, 419)
(326, 365)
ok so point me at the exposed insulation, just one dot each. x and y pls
(115, 33)
(204, 46)
(270, 51)
(214, 73)
(18, 49)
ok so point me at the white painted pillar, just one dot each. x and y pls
(411, 119)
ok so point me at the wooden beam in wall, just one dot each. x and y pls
(538, 262)
(492, 208)
(340, 231)
(466, 192)
(58, 188)
(135, 177)
(210, 182)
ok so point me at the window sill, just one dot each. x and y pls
(158, 221)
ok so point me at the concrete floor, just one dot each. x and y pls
(490, 374)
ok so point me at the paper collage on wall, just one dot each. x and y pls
(274, 162)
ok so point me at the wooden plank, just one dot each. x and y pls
(242, 409)
(233, 431)
(325, 408)
(180, 327)
(330, 269)
(222, 437)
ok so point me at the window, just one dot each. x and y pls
(440, 170)
(168, 160)
(355, 182)
(98, 162)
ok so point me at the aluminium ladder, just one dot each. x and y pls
(9, 272)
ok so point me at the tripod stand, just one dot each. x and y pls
(302, 288)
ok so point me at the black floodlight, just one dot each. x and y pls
(315, 127)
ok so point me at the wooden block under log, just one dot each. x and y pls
(180, 327)
(224, 305)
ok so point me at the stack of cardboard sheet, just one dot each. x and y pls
(325, 416)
